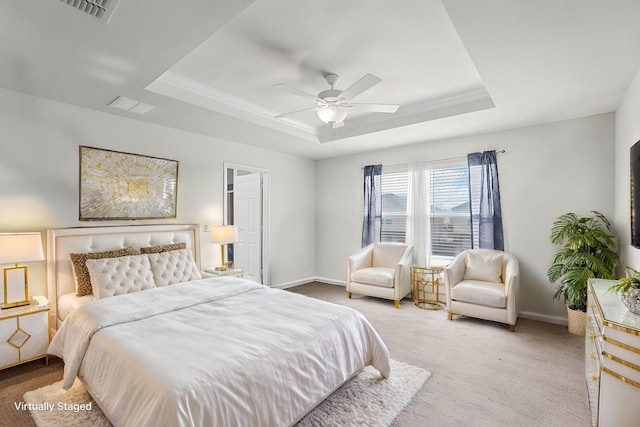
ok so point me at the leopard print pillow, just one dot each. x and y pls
(163, 248)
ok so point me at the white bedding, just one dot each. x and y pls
(69, 302)
(216, 352)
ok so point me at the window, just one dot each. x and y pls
(449, 216)
(448, 212)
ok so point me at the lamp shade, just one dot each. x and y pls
(20, 247)
(332, 114)
(224, 234)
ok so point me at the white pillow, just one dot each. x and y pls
(484, 266)
(173, 267)
(122, 275)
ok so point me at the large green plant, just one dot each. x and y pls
(588, 250)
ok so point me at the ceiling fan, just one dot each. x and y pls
(333, 105)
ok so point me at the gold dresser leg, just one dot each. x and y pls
(450, 315)
(349, 295)
(397, 304)
(512, 328)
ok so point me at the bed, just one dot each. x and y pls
(206, 351)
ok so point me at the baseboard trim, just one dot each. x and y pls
(309, 280)
(292, 284)
(544, 318)
(330, 281)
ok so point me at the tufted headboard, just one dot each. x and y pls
(64, 241)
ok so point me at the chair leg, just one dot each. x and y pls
(397, 304)
(450, 315)
(349, 295)
(512, 328)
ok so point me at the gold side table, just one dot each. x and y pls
(425, 283)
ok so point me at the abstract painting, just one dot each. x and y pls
(117, 186)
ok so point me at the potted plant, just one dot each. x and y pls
(588, 250)
(628, 289)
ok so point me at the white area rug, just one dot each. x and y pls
(365, 400)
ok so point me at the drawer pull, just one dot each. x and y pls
(592, 336)
(589, 318)
(595, 378)
(592, 355)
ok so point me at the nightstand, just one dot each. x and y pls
(234, 272)
(24, 335)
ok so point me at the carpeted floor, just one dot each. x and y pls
(482, 374)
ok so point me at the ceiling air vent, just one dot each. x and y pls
(131, 105)
(101, 9)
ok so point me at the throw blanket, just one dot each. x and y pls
(216, 351)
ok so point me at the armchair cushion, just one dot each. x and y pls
(387, 255)
(484, 267)
(489, 294)
(378, 276)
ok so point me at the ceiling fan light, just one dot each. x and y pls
(332, 114)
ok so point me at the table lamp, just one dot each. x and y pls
(223, 235)
(18, 248)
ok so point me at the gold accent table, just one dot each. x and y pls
(421, 279)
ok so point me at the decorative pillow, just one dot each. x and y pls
(484, 267)
(80, 272)
(173, 267)
(117, 276)
(163, 248)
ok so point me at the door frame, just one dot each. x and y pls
(266, 208)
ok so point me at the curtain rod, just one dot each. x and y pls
(437, 160)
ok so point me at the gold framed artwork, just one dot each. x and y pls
(119, 186)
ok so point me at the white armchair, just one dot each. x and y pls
(381, 270)
(483, 283)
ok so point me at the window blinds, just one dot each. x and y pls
(448, 210)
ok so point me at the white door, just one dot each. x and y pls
(247, 205)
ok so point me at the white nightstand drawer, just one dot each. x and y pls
(24, 335)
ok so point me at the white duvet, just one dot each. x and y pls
(214, 352)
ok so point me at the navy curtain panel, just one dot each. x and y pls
(484, 189)
(371, 222)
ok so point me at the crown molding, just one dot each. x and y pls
(228, 100)
(466, 102)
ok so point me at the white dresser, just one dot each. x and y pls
(24, 335)
(612, 363)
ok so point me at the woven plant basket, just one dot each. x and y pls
(577, 320)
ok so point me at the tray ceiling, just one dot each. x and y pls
(455, 67)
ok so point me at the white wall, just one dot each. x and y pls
(548, 170)
(39, 178)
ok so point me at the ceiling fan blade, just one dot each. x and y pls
(297, 91)
(366, 82)
(279, 116)
(376, 108)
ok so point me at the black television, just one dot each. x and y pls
(634, 154)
